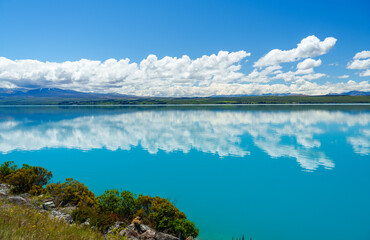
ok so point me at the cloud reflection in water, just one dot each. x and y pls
(216, 132)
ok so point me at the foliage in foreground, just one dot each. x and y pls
(102, 211)
(19, 222)
(71, 192)
(27, 179)
(156, 212)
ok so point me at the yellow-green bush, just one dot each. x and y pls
(71, 192)
(162, 215)
(28, 178)
(158, 213)
(6, 169)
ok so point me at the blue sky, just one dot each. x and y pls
(59, 31)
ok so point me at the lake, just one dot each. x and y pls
(266, 171)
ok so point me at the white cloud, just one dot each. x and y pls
(365, 73)
(343, 76)
(217, 74)
(361, 61)
(363, 54)
(359, 64)
(308, 63)
(268, 67)
(123, 76)
(310, 46)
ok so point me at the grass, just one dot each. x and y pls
(22, 223)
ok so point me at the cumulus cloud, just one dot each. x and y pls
(310, 46)
(359, 64)
(361, 61)
(363, 54)
(123, 76)
(365, 73)
(268, 67)
(216, 74)
(308, 64)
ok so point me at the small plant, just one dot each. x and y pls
(240, 238)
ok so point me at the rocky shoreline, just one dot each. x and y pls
(135, 231)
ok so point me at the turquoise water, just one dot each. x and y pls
(268, 172)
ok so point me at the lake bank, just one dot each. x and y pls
(115, 215)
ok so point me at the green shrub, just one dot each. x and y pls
(129, 204)
(36, 190)
(6, 169)
(110, 201)
(82, 213)
(102, 220)
(97, 218)
(185, 227)
(24, 179)
(163, 216)
(103, 211)
(26, 166)
(71, 192)
(124, 205)
(158, 213)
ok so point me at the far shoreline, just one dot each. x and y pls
(190, 105)
(52, 100)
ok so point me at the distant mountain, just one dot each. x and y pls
(61, 93)
(10, 92)
(54, 93)
(53, 96)
(351, 93)
(357, 93)
(255, 95)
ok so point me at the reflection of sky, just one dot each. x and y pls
(217, 132)
(361, 142)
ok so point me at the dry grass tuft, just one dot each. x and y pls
(22, 223)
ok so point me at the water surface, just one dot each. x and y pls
(269, 172)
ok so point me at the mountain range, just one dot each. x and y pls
(55, 93)
(56, 96)
(61, 93)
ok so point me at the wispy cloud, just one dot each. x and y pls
(343, 76)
